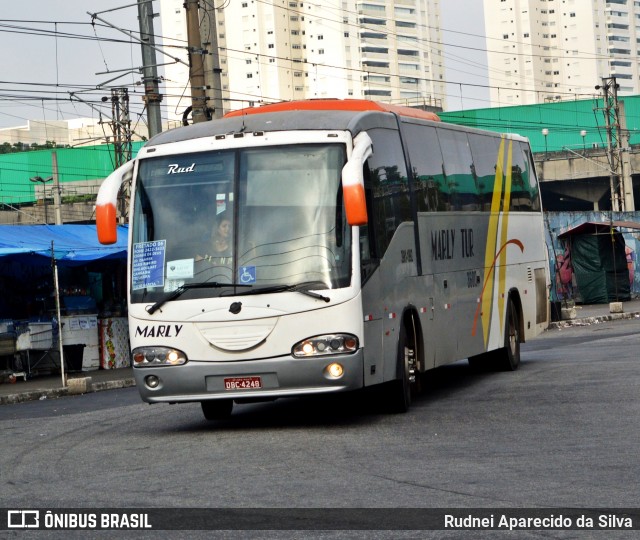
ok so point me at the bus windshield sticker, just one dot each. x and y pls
(171, 285)
(147, 266)
(180, 269)
(221, 203)
(247, 274)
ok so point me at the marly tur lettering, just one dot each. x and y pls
(442, 243)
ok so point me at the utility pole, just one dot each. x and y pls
(627, 181)
(121, 125)
(614, 150)
(199, 109)
(56, 188)
(212, 70)
(152, 96)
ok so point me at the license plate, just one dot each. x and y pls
(242, 383)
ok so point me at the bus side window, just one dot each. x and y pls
(460, 181)
(386, 178)
(530, 178)
(524, 194)
(485, 152)
(428, 171)
(368, 252)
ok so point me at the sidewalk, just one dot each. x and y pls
(597, 313)
(50, 386)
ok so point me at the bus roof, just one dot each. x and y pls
(331, 114)
(335, 105)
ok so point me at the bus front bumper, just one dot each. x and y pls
(254, 379)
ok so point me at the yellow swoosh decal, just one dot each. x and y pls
(490, 249)
(515, 242)
(504, 229)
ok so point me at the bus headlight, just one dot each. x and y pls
(157, 356)
(326, 345)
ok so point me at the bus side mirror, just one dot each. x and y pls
(106, 203)
(355, 203)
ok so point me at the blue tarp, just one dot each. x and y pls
(72, 244)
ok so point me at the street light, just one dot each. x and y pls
(545, 132)
(43, 181)
(583, 133)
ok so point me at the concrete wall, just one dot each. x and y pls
(35, 215)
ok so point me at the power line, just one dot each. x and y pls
(430, 46)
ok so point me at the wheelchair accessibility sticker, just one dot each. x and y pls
(247, 274)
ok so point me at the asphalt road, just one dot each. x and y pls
(562, 431)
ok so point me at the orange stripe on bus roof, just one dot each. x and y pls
(335, 105)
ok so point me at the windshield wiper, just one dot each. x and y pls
(286, 288)
(183, 288)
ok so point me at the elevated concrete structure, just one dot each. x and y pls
(581, 179)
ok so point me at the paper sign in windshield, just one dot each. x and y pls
(180, 269)
(148, 264)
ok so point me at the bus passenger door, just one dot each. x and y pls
(371, 301)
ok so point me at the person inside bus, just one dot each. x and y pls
(220, 242)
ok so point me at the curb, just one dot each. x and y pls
(54, 393)
(586, 321)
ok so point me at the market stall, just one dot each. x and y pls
(59, 285)
(598, 263)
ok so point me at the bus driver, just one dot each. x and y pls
(221, 241)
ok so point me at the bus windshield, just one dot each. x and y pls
(257, 217)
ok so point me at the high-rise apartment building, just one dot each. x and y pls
(175, 85)
(551, 50)
(272, 50)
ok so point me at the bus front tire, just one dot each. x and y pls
(400, 392)
(217, 409)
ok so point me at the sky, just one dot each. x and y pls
(465, 46)
(63, 65)
(45, 73)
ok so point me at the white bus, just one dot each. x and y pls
(324, 246)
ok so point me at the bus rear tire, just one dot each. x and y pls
(508, 358)
(217, 409)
